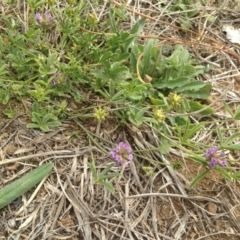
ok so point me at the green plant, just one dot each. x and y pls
(175, 73)
(236, 115)
(65, 66)
(188, 9)
(15, 189)
(43, 119)
(39, 93)
(103, 176)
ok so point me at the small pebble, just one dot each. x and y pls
(12, 223)
(212, 208)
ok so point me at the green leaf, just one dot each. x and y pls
(192, 130)
(106, 169)
(224, 173)
(93, 169)
(46, 118)
(10, 113)
(198, 159)
(138, 27)
(133, 57)
(232, 147)
(35, 107)
(36, 117)
(151, 120)
(106, 56)
(99, 74)
(32, 125)
(203, 93)
(156, 101)
(108, 186)
(219, 134)
(119, 69)
(111, 175)
(228, 109)
(174, 83)
(52, 59)
(135, 96)
(44, 127)
(237, 114)
(194, 86)
(185, 23)
(140, 112)
(112, 21)
(231, 138)
(196, 106)
(164, 147)
(199, 177)
(23, 184)
(236, 175)
(54, 124)
(118, 96)
(47, 71)
(147, 56)
(180, 121)
(2, 69)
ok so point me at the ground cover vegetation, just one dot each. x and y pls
(130, 117)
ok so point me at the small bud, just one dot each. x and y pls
(175, 100)
(159, 115)
(100, 114)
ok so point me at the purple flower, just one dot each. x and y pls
(48, 17)
(122, 154)
(38, 17)
(58, 79)
(213, 162)
(211, 151)
(53, 83)
(223, 163)
(223, 156)
(44, 20)
(215, 157)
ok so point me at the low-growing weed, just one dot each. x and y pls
(61, 55)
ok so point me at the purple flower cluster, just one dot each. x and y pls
(122, 154)
(216, 158)
(44, 19)
(38, 17)
(58, 79)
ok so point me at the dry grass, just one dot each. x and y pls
(69, 205)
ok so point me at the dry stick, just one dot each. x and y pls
(136, 176)
(30, 219)
(127, 222)
(32, 196)
(56, 215)
(154, 217)
(188, 197)
(34, 156)
(6, 142)
(79, 153)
